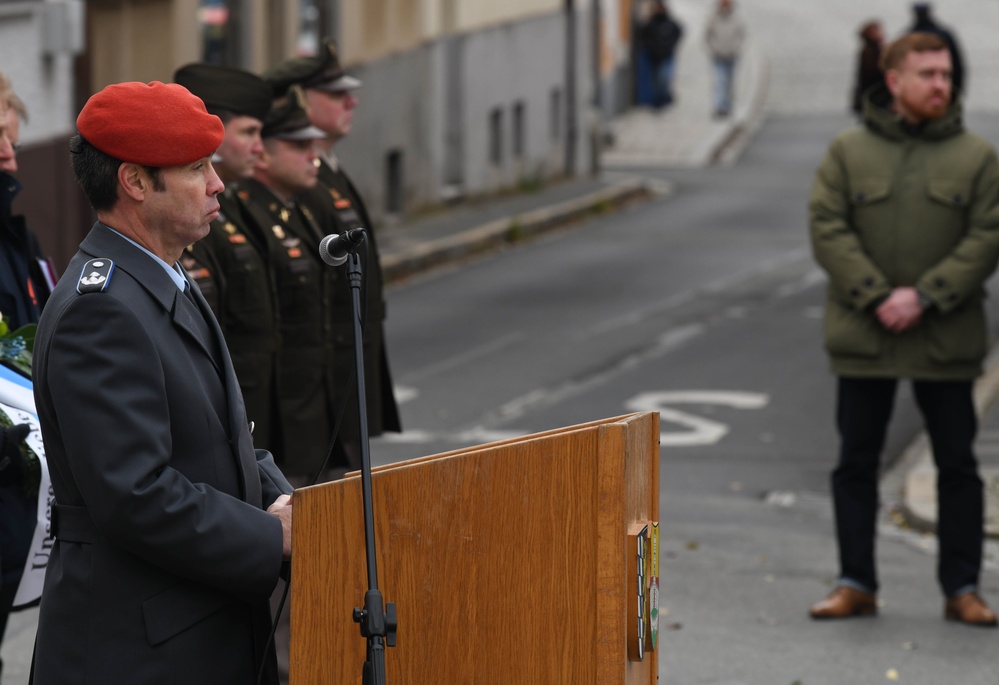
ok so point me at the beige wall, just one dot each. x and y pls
(146, 40)
(478, 14)
(140, 40)
(375, 28)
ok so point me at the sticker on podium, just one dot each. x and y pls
(653, 575)
(638, 548)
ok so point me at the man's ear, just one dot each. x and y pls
(262, 162)
(134, 180)
(891, 80)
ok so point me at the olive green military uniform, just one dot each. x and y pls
(229, 266)
(291, 235)
(348, 212)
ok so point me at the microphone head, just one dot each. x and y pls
(326, 255)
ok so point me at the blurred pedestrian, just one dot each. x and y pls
(170, 531)
(660, 37)
(925, 22)
(230, 263)
(330, 93)
(904, 217)
(26, 278)
(724, 36)
(869, 72)
(643, 65)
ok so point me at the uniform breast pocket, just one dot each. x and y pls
(869, 193)
(247, 259)
(946, 212)
(952, 193)
(299, 292)
(869, 201)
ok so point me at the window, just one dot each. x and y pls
(393, 183)
(496, 135)
(213, 15)
(555, 107)
(519, 128)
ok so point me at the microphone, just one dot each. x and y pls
(334, 248)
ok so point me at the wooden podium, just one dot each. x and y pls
(511, 563)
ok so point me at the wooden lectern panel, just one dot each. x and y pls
(507, 562)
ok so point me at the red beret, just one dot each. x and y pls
(153, 124)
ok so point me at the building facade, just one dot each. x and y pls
(461, 98)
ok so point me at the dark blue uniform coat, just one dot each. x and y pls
(164, 557)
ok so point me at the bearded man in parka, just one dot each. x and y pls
(904, 216)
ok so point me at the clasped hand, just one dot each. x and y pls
(901, 310)
(282, 509)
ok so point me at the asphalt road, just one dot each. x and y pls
(704, 306)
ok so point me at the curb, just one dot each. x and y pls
(515, 228)
(919, 500)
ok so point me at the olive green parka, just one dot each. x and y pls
(890, 208)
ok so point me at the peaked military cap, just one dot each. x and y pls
(233, 90)
(289, 119)
(322, 72)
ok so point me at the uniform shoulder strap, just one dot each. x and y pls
(95, 276)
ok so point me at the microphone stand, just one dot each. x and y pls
(377, 621)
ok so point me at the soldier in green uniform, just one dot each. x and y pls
(229, 264)
(291, 234)
(329, 92)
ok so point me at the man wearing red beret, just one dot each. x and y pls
(170, 531)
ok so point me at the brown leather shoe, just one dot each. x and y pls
(844, 602)
(971, 609)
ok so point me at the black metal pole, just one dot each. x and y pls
(376, 620)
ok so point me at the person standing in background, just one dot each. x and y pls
(272, 202)
(329, 92)
(27, 277)
(660, 36)
(273, 210)
(230, 263)
(869, 72)
(26, 280)
(924, 22)
(904, 218)
(724, 36)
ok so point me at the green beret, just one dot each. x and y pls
(321, 72)
(233, 90)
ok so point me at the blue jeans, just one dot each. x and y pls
(662, 85)
(724, 75)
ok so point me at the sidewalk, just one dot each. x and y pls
(683, 135)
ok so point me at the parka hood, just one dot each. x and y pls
(879, 117)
